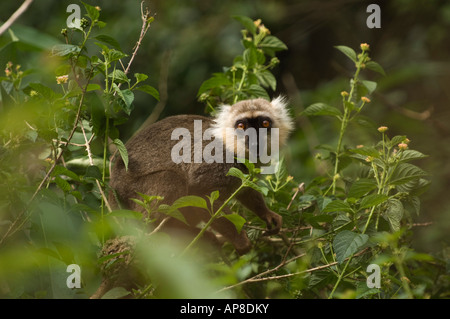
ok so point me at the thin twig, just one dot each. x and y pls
(91, 162)
(145, 26)
(161, 224)
(15, 16)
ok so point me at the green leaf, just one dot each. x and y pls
(92, 12)
(114, 55)
(273, 43)
(361, 187)
(190, 201)
(374, 66)
(256, 187)
(237, 173)
(349, 52)
(237, 220)
(372, 200)
(338, 206)
(394, 213)
(213, 197)
(149, 90)
(396, 140)
(347, 243)
(408, 155)
(127, 96)
(172, 212)
(217, 80)
(62, 184)
(140, 77)
(250, 57)
(366, 151)
(116, 293)
(247, 23)
(119, 76)
(65, 49)
(61, 170)
(109, 40)
(258, 91)
(370, 85)
(45, 91)
(406, 172)
(122, 151)
(321, 109)
(267, 79)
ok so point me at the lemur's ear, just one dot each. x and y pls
(280, 103)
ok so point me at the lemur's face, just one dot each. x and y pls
(247, 126)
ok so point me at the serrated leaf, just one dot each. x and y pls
(65, 49)
(258, 91)
(127, 96)
(237, 220)
(267, 79)
(62, 184)
(349, 52)
(122, 151)
(119, 76)
(338, 206)
(394, 213)
(149, 90)
(256, 187)
(372, 200)
(114, 55)
(406, 172)
(346, 243)
(409, 155)
(374, 66)
(366, 151)
(321, 109)
(273, 43)
(361, 187)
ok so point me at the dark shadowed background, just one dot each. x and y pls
(190, 40)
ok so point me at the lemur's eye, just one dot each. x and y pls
(266, 123)
(240, 126)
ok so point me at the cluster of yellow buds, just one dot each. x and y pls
(382, 129)
(62, 79)
(261, 27)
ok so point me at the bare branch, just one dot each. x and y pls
(15, 16)
(91, 162)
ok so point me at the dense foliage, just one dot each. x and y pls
(61, 124)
